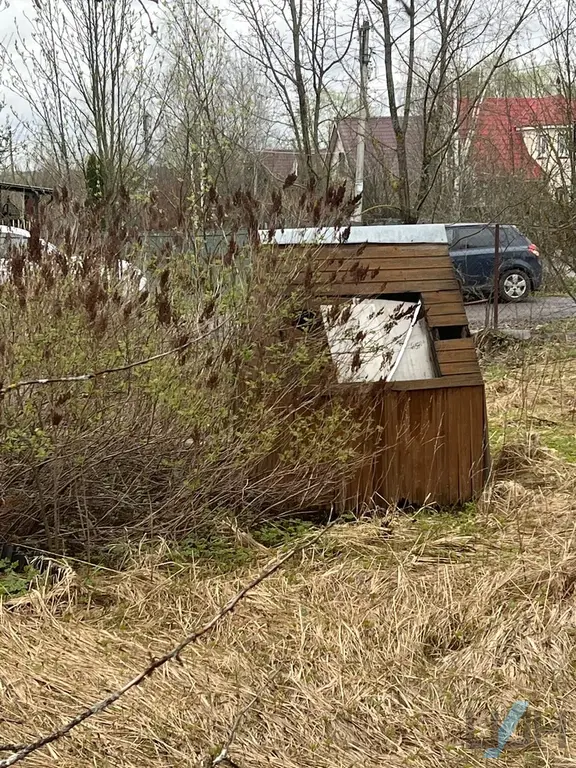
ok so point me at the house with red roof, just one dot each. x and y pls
(525, 137)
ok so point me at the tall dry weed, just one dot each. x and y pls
(242, 423)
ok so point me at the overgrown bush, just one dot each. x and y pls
(240, 421)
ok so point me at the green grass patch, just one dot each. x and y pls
(224, 553)
(283, 533)
(563, 443)
(461, 521)
(14, 581)
(495, 372)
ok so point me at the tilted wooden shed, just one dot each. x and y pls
(430, 444)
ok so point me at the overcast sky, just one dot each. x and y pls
(14, 20)
(15, 17)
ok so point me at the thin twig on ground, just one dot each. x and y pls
(174, 654)
(223, 755)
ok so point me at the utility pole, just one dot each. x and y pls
(11, 154)
(364, 57)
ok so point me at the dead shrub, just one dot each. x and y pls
(242, 423)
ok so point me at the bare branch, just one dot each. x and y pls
(223, 755)
(173, 655)
(95, 374)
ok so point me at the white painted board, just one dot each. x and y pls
(392, 234)
(378, 340)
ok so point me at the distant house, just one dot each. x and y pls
(275, 165)
(272, 166)
(19, 202)
(381, 150)
(526, 137)
(380, 161)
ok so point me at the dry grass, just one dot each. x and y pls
(370, 650)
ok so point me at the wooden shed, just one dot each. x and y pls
(19, 202)
(401, 295)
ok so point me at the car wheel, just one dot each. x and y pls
(514, 285)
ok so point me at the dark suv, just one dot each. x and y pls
(472, 251)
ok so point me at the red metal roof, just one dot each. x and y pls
(497, 125)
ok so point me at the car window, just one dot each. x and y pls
(482, 236)
(457, 237)
(477, 237)
(510, 236)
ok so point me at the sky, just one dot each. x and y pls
(14, 20)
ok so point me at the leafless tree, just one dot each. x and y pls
(215, 113)
(553, 141)
(85, 74)
(5, 136)
(303, 50)
(428, 47)
(560, 25)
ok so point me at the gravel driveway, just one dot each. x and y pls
(527, 314)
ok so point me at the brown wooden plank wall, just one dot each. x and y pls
(430, 445)
(430, 448)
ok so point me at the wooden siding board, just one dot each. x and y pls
(457, 356)
(443, 445)
(439, 466)
(438, 321)
(351, 265)
(449, 296)
(459, 367)
(406, 464)
(377, 288)
(376, 276)
(477, 416)
(386, 481)
(427, 442)
(442, 382)
(415, 452)
(465, 427)
(449, 308)
(450, 345)
(333, 253)
(451, 410)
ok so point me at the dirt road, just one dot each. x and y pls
(527, 314)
